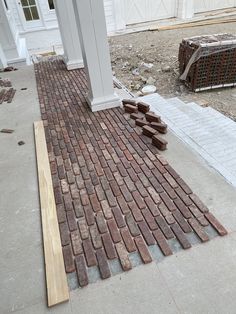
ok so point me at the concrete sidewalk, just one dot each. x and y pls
(200, 280)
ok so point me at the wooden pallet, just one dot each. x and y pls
(57, 287)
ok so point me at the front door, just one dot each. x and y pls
(30, 13)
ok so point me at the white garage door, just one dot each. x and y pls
(139, 11)
(208, 5)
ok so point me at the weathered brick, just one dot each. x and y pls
(72, 223)
(135, 211)
(149, 219)
(123, 205)
(216, 224)
(160, 127)
(64, 232)
(146, 233)
(198, 229)
(115, 188)
(81, 270)
(182, 222)
(76, 242)
(143, 107)
(184, 186)
(152, 117)
(203, 221)
(180, 236)
(138, 199)
(95, 236)
(169, 190)
(118, 216)
(102, 227)
(103, 264)
(168, 202)
(182, 208)
(68, 259)
(123, 256)
(108, 245)
(95, 203)
(143, 250)
(79, 211)
(152, 206)
(164, 227)
(132, 225)
(199, 203)
(159, 142)
(128, 241)
(185, 198)
(114, 231)
(125, 192)
(110, 197)
(83, 228)
(61, 215)
(161, 241)
(89, 214)
(89, 253)
(155, 196)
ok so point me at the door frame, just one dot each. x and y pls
(29, 25)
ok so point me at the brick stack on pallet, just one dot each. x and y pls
(208, 62)
(151, 123)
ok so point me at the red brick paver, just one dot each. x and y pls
(115, 193)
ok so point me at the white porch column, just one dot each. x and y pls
(9, 39)
(90, 18)
(185, 9)
(3, 60)
(69, 34)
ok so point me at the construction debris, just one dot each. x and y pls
(7, 131)
(5, 83)
(7, 95)
(20, 143)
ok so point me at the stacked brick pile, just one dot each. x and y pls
(151, 124)
(6, 95)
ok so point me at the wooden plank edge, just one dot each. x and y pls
(56, 279)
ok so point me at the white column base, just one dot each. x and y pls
(102, 103)
(73, 64)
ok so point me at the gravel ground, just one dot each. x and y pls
(151, 57)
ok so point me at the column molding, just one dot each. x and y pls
(185, 9)
(69, 34)
(91, 25)
(3, 60)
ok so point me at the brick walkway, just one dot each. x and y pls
(115, 193)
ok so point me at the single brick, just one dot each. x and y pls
(152, 206)
(89, 253)
(195, 211)
(114, 231)
(141, 122)
(168, 202)
(128, 241)
(103, 264)
(72, 223)
(216, 224)
(68, 259)
(76, 242)
(164, 227)
(139, 200)
(152, 117)
(146, 233)
(169, 190)
(198, 229)
(127, 195)
(184, 186)
(61, 215)
(143, 250)
(111, 198)
(130, 108)
(106, 209)
(81, 270)
(102, 227)
(160, 127)
(148, 131)
(115, 188)
(170, 219)
(83, 228)
(123, 256)
(95, 236)
(170, 180)
(64, 232)
(132, 225)
(89, 214)
(180, 236)
(155, 196)
(108, 245)
(161, 241)
(143, 107)
(136, 116)
(159, 142)
(203, 221)
(182, 208)
(129, 101)
(185, 198)
(118, 217)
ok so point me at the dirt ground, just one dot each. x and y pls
(151, 57)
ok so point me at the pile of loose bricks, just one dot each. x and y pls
(6, 95)
(151, 124)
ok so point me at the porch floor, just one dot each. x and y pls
(119, 202)
(200, 280)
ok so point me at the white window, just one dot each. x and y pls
(51, 4)
(30, 10)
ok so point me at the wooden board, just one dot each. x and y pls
(57, 287)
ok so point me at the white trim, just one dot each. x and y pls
(119, 14)
(104, 103)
